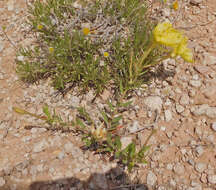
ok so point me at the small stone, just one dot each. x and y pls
(134, 127)
(213, 126)
(200, 110)
(2, 182)
(209, 92)
(20, 58)
(199, 150)
(153, 103)
(192, 93)
(179, 108)
(75, 101)
(179, 169)
(195, 83)
(40, 146)
(61, 155)
(151, 178)
(168, 115)
(209, 59)
(211, 112)
(212, 179)
(1, 46)
(184, 100)
(195, 2)
(169, 166)
(200, 167)
(10, 5)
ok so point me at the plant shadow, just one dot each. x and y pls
(114, 179)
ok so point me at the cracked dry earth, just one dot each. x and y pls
(183, 153)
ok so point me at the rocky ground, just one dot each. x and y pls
(183, 154)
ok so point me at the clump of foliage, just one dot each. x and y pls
(102, 138)
(91, 44)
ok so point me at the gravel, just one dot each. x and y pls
(40, 146)
(151, 178)
(200, 167)
(211, 179)
(214, 126)
(179, 169)
(153, 103)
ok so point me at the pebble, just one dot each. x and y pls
(1, 46)
(195, 83)
(153, 103)
(199, 150)
(10, 5)
(200, 167)
(179, 169)
(134, 127)
(168, 115)
(204, 109)
(2, 181)
(196, 2)
(20, 58)
(179, 108)
(151, 178)
(40, 146)
(184, 100)
(75, 101)
(211, 179)
(213, 126)
(209, 59)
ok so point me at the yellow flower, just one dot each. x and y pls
(51, 49)
(99, 133)
(175, 5)
(165, 34)
(184, 52)
(86, 31)
(39, 27)
(106, 54)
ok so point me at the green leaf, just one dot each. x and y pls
(111, 106)
(46, 111)
(116, 120)
(126, 104)
(80, 123)
(105, 118)
(118, 143)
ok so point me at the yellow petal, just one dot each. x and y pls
(86, 31)
(175, 5)
(39, 27)
(106, 54)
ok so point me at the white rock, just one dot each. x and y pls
(168, 115)
(75, 101)
(199, 150)
(10, 5)
(153, 103)
(200, 110)
(20, 58)
(209, 59)
(212, 179)
(179, 169)
(1, 46)
(179, 108)
(200, 167)
(40, 146)
(214, 126)
(195, 83)
(196, 2)
(68, 147)
(184, 100)
(211, 112)
(134, 127)
(2, 181)
(151, 178)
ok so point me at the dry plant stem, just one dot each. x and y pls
(3, 30)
